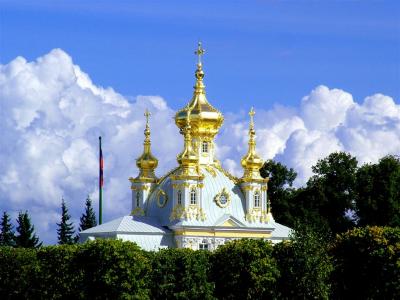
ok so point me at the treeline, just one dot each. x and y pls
(26, 237)
(339, 196)
(360, 264)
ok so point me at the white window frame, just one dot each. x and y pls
(137, 199)
(204, 147)
(257, 199)
(179, 197)
(193, 196)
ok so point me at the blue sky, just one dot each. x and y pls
(323, 76)
(263, 52)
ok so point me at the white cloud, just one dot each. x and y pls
(51, 115)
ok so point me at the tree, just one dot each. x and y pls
(88, 218)
(180, 274)
(7, 235)
(280, 190)
(244, 269)
(65, 229)
(26, 236)
(332, 190)
(304, 264)
(378, 193)
(367, 264)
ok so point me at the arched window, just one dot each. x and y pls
(257, 199)
(137, 199)
(204, 147)
(179, 197)
(193, 195)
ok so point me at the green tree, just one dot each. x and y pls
(7, 235)
(17, 272)
(26, 236)
(65, 230)
(304, 264)
(378, 193)
(180, 274)
(112, 269)
(331, 191)
(244, 269)
(367, 264)
(88, 218)
(280, 190)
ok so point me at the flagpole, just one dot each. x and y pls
(100, 182)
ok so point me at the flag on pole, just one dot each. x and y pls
(101, 182)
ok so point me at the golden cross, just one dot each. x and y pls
(251, 114)
(199, 52)
(147, 114)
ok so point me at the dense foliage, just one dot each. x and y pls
(244, 269)
(363, 263)
(367, 264)
(305, 265)
(340, 195)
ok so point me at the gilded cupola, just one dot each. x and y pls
(147, 162)
(252, 162)
(205, 120)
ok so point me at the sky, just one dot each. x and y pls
(323, 76)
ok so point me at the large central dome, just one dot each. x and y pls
(205, 120)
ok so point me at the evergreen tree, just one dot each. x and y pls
(65, 229)
(88, 218)
(26, 236)
(7, 236)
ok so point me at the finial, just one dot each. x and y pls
(199, 52)
(251, 114)
(147, 114)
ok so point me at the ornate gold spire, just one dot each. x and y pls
(205, 120)
(251, 162)
(146, 163)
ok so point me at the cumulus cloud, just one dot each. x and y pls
(52, 114)
(327, 120)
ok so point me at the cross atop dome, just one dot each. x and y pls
(199, 52)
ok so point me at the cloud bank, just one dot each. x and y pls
(51, 115)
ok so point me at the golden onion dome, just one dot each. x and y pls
(252, 162)
(147, 162)
(205, 120)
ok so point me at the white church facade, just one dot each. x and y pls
(198, 204)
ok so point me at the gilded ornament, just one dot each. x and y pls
(223, 198)
(162, 198)
(138, 211)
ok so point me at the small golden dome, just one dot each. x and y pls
(147, 162)
(252, 162)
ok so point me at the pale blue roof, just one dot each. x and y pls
(212, 186)
(129, 224)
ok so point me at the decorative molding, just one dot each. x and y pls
(211, 170)
(192, 212)
(138, 211)
(226, 173)
(258, 215)
(161, 195)
(223, 194)
(140, 187)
